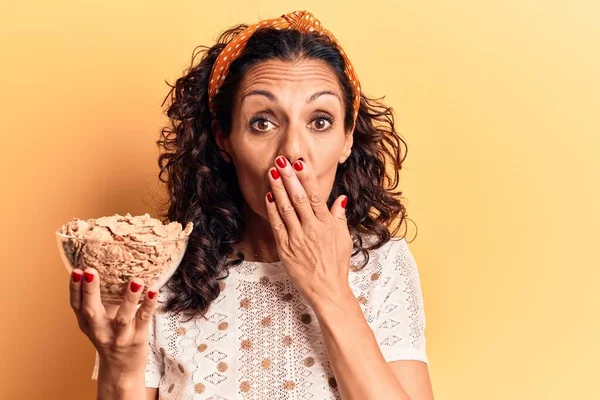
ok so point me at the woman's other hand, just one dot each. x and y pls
(118, 332)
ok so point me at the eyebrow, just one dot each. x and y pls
(321, 93)
(272, 97)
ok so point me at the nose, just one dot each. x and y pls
(294, 144)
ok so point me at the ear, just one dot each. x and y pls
(222, 141)
(347, 147)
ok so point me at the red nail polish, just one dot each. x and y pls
(151, 294)
(270, 197)
(135, 287)
(298, 166)
(76, 276)
(88, 277)
(281, 162)
(344, 202)
(275, 174)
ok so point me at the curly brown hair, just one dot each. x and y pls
(203, 188)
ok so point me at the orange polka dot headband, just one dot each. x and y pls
(302, 21)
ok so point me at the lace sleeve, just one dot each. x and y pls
(154, 368)
(400, 323)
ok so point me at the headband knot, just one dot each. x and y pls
(303, 21)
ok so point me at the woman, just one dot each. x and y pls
(292, 285)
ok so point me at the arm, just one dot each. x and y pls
(151, 393)
(315, 246)
(364, 374)
(396, 343)
(112, 385)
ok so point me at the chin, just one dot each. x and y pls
(260, 210)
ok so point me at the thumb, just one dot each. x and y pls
(338, 208)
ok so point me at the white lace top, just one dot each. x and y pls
(262, 341)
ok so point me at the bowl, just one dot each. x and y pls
(117, 262)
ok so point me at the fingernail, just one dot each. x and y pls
(151, 294)
(270, 197)
(344, 202)
(281, 162)
(298, 166)
(275, 173)
(88, 277)
(135, 287)
(76, 276)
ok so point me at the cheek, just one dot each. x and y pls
(252, 178)
(326, 176)
(248, 163)
(325, 158)
(326, 182)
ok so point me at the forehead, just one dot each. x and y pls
(277, 74)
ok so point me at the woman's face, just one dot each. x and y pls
(290, 109)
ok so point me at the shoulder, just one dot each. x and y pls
(368, 276)
(400, 263)
(382, 255)
(399, 254)
(393, 268)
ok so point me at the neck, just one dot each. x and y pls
(257, 240)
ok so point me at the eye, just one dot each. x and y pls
(322, 122)
(261, 124)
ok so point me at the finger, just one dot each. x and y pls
(111, 310)
(282, 202)
(306, 177)
(338, 210)
(145, 311)
(128, 308)
(75, 282)
(277, 224)
(91, 304)
(294, 189)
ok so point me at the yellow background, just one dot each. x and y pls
(498, 101)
